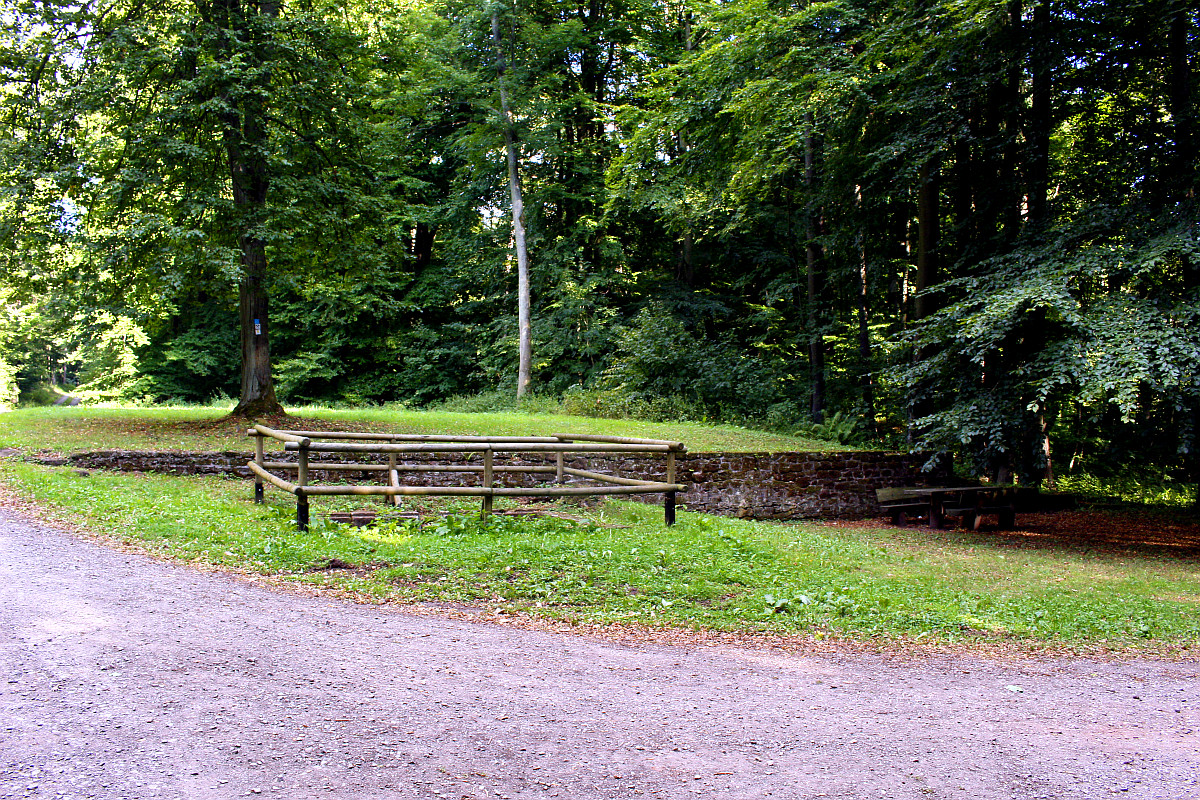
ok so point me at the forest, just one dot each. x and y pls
(963, 227)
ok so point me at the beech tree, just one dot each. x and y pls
(189, 138)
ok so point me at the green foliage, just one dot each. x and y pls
(1138, 488)
(659, 363)
(9, 355)
(839, 428)
(729, 206)
(1038, 330)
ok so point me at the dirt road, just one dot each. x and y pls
(127, 678)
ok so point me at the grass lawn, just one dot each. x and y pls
(72, 429)
(620, 565)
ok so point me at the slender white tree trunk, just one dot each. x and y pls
(518, 220)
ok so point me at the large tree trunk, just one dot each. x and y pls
(525, 355)
(1038, 130)
(245, 140)
(928, 239)
(813, 253)
(864, 326)
(1179, 80)
(929, 226)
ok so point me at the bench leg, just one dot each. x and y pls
(935, 516)
(1008, 519)
(669, 508)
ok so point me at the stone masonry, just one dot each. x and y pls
(754, 485)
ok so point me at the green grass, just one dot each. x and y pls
(72, 429)
(623, 566)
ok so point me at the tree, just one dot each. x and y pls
(227, 124)
(518, 213)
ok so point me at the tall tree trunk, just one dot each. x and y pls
(928, 239)
(929, 211)
(685, 266)
(1183, 185)
(246, 141)
(1038, 129)
(813, 253)
(864, 327)
(1179, 79)
(422, 246)
(525, 356)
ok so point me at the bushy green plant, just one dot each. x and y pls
(41, 394)
(617, 403)
(837, 427)
(482, 403)
(660, 366)
(1129, 487)
(8, 385)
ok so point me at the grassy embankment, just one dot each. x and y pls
(89, 428)
(620, 565)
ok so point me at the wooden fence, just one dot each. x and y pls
(389, 449)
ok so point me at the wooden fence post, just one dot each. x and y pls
(393, 478)
(487, 481)
(301, 481)
(669, 497)
(259, 458)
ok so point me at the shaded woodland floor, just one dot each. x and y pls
(1151, 531)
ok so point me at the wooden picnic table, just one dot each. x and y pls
(970, 503)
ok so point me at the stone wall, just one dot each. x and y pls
(753, 485)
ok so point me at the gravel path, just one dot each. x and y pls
(128, 678)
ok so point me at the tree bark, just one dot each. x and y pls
(864, 327)
(245, 139)
(1038, 130)
(813, 253)
(525, 355)
(1183, 186)
(1179, 79)
(928, 239)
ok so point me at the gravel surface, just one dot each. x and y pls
(128, 678)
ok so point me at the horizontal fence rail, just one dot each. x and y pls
(391, 447)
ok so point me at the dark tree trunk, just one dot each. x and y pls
(1038, 130)
(245, 140)
(1009, 117)
(1179, 79)
(864, 327)
(1183, 185)
(685, 265)
(929, 226)
(813, 253)
(959, 193)
(928, 239)
(422, 246)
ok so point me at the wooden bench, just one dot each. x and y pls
(970, 506)
(902, 504)
(968, 503)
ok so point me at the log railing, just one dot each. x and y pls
(390, 449)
